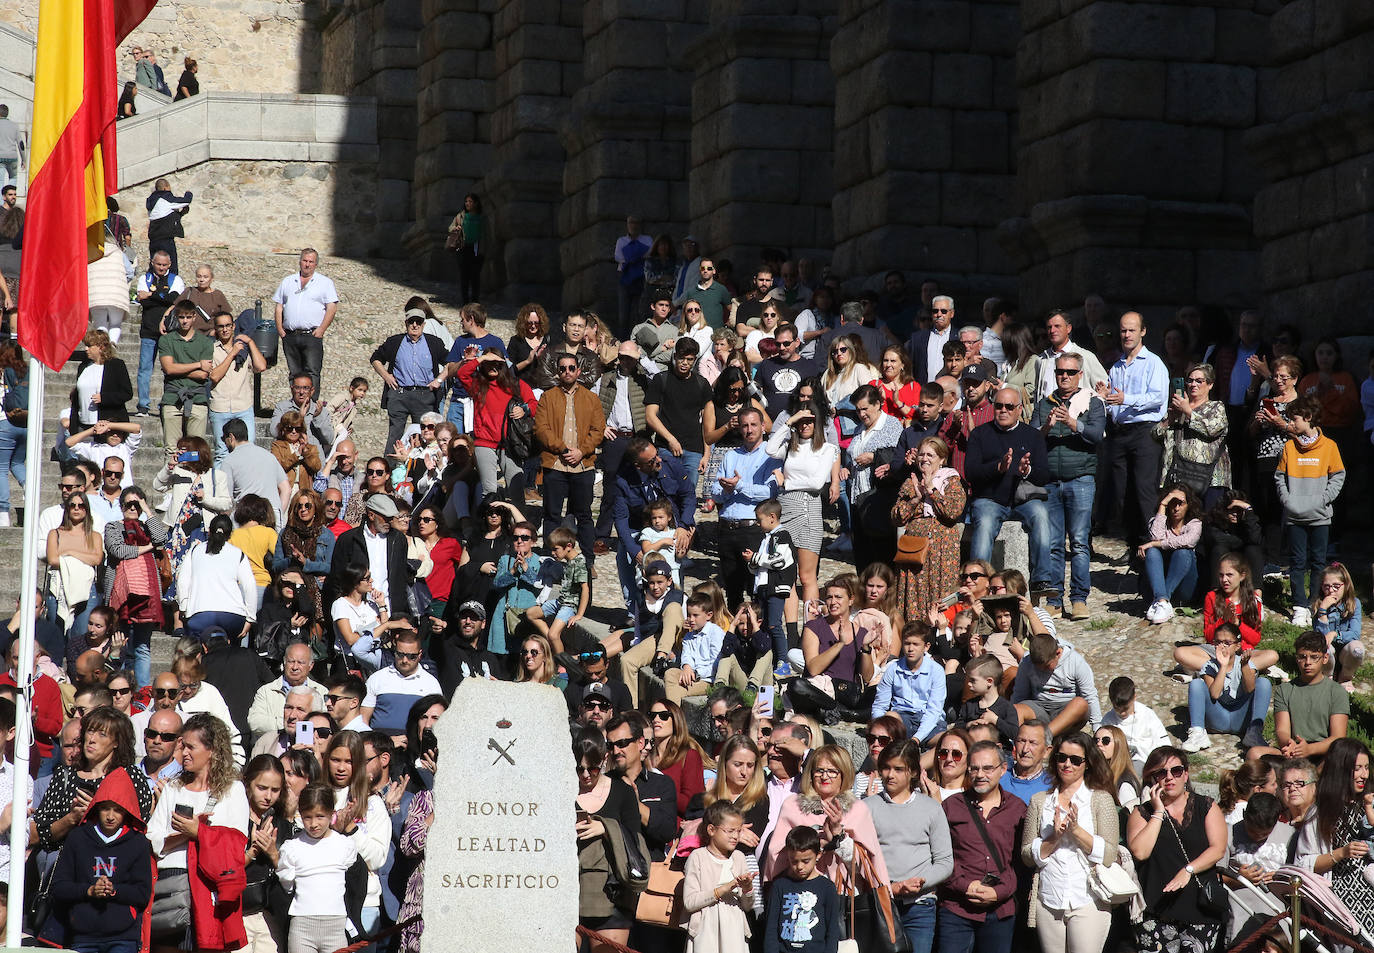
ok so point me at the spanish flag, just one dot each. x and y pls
(72, 166)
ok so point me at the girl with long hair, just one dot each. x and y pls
(675, 753)
(770, 317)
(255, 534)
(472, 225)
(536, 661)
(1334, 841)
(808, 477)
(75, 539)
(1068, 828)
(601, 800)
(1116, 751)
(1234, 600)
(1170, 553)
(359, 814)
(720, 417)
(215, 584)
(361, 617)
(950, 774)
(1236, 787)
(876, 609)
(264, 781)
(884, 731)
(1022, 364)
(741, 782)
(1336, 614)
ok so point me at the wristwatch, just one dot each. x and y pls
(1189, 868)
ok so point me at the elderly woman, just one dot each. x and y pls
(1176, 837)
(930, 505)
(134, 589)
(297, 455)
(826, 801)
(1068, 828)
(1194, 435)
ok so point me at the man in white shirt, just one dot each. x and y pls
(266, 715)
(927, 347)
(392, 690)
(344, 703)
(1059, 328)
(306, 304)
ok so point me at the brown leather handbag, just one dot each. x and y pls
(911, 552)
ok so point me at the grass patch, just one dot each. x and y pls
(1100, 624)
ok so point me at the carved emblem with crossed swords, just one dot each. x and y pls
(501, 752)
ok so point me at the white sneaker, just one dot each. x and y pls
(4, 517)
(1302, 617)
(1276, 673)
(1197, 740)
(1160, 612)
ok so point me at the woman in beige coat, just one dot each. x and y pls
(107, 290)
(1068, 828)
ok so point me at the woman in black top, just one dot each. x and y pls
(490, 540)
(107, 745)
(188, 85)
(602, 802)
(527, 344)
(1176, 838)
(1233, 526)
(126, 106)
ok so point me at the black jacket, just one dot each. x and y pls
(237, 672)
(658, 793)
(456, 661)
(387, 350)
(351, 549)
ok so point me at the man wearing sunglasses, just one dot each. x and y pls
(412, 368)
(656, 792)
(319, 429)
(570, 425)
(236, 364)
(590, 658)
(393, 689)
(159, 739)
(596, 706)
(647, 475)
(1006, 467)
(458, 653)
(779, 376)
(298, 704)
(345, 702)
(1073, 420)
(926, 347)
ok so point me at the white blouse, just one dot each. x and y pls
(1063, 874)
(805, 468)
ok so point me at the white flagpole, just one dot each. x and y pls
(23, 735)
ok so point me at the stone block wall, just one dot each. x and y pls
(762, 129)
(537, 67)
(1133, 177)
(1314, 216)
(269, 205)
(453, 131)
(925, 138)
(260, 46)
(627, 138)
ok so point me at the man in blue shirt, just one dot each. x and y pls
(649, 474)
(745, 478)
(468, 346)
(1137, 396)
(1028, 776)
(411, 365)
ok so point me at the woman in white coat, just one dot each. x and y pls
(107, 290)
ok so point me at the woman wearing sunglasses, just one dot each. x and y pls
(883, 732)
(601, 800)
(1176, 837)
(1068, 828)
(950, 773)
(1116, 751)
(299, 458)
(675, 753)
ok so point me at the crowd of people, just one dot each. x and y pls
(326, 605)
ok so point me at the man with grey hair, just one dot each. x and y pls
(1073, 420)
(787, 750)
(11, 148)
(1028, 776)
(851, 322)
(927, 346)
(971, 337)
(265, 714)
(296, 706)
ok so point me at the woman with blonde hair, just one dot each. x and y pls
(103, 388)
(740, 780)
(827, 802)
(297, 455)
(1116, 751)
(847, 368)
(693, 325)
(75, 540)
(536, 661)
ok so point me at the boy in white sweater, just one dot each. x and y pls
(1143, 730)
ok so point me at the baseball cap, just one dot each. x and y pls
(597, 690)
(473, 608)
(975, 372)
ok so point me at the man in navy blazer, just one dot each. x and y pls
(925, 346)
(648, 474)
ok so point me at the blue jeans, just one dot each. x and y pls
(231, 622)
(775, 621)
(9, 172)
(1070, 507)
(690, 460)
(1180, 577)
(12, 447)
(218, 418)
(140, 646)
(988, 516)
(1233, 718)
(147, 350)
(918, 921)
(80, 620)
(912, 721)
(989, 935)
(456, 414)
(1306, 552)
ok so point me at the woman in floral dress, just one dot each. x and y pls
(931, 504)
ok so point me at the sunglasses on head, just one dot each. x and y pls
(1065, 758)
(590, 656)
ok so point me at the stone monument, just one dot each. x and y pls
(501, 869)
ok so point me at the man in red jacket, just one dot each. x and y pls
(47, 707)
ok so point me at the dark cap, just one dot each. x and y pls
(975, 372)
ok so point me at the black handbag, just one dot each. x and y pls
(1196, 476)
(517, 436)
(873, 920)
(1212, 900)
(171, 914)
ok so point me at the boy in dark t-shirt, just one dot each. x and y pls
(804, 913)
